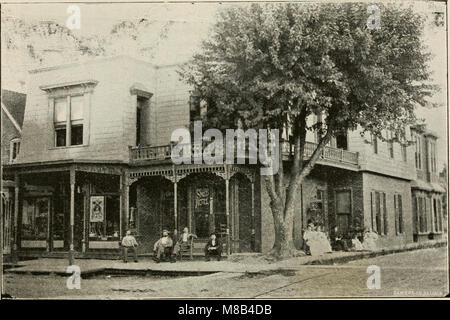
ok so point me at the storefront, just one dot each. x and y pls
(197, 200)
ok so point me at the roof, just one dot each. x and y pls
(14, 102)
(427, 186)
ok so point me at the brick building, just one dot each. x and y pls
(95, 162)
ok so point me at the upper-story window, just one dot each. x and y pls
(418, 151)
(68, 121)
(433, 156)
(390, 144)
(69, 109)
(375, 144)
(14, 148)
(198, 108)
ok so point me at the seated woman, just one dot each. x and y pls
(324, 242)
(213, 248)
(356, 244)
(163, 248)
(370, 240)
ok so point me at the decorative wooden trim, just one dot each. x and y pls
(85, 84)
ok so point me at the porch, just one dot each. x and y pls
(203, 198)
(330, 156)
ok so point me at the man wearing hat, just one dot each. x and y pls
(164, 247)
(129, 243)
(213, 248)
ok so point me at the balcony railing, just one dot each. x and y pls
(328, 153)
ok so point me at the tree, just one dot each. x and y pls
(29, 45)
(273, 65)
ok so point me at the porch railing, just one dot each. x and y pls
(328, 153)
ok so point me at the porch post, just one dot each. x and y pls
(16, 217)
(227, 208)
(121, 201)
(175, 198)
(72, 215)
(125, 203)
(253, 213)
(189, 199)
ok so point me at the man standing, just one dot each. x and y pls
(164, 247)
(129, 242)
(213, 248)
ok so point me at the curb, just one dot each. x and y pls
(372, 254)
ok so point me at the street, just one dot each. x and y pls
(421, 273)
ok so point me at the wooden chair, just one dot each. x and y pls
(187, 249)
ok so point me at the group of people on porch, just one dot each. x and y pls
(166, 249)
(317, 242)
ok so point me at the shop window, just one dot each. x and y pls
(104, 218)
(35, 215)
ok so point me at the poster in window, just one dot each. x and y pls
(202, 197)
(97, 209)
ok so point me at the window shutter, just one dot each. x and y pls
(396, 214)
(385, 215)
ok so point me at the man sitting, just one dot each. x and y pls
(164, 247)
(129, 243)
(183, 242)
(213, 248)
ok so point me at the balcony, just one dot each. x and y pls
(329, 156)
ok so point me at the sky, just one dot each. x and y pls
(191, 24)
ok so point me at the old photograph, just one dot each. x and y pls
(257, 150)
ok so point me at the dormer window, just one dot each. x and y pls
(68, 129)
(69, 109)
(14, 148)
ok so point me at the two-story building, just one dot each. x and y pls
(95, 161)
(13, 108)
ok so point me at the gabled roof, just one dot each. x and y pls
(14, 102)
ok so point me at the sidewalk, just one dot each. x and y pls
(239, 263)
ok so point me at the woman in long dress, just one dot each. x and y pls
(370, 240)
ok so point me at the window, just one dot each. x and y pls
(420, 214)
(379, 212)
(375, 144)
(68, 130)
(105, 218)
(341, 141)
(343, 210)
(35, 217)
(404, 156)
(437, 217)
(418, 151)
(390, 144)
(433, 156)
(398, 208)
(14, 148)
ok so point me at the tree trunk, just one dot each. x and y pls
(283, 202)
